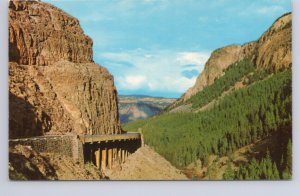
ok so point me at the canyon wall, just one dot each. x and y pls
(272, 51)
(54, 86)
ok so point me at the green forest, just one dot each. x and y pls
(261, 109)
(265, 168)
(234, 73)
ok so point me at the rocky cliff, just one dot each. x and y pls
(271, 51)
(54, 86)
(219, 60)
(40, 34)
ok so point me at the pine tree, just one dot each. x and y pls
(253, 168)
(289, 155)
(229, 173)
(269, 166)
(287, 173)
(275, 172)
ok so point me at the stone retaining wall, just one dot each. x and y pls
(65, 145)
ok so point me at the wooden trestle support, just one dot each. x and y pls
(105, 151)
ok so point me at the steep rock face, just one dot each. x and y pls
(219, 60)
(40, 34)
(33, 105)
(56, 89)
(274, 48)
(88, 94)
(272, 51)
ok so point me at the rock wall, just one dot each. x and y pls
(272, 51)
(40, 34)
(54, 86)
(219, 60)
(34, 108)
(69, 146)
(274, 48)
(87, 93)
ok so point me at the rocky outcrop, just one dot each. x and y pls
(88, 94)
(219, 60)
(272, 51)
(40, 34)
(274, 48)
(34, 108)
(54, 86)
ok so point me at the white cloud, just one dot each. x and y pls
(192, 58)
(154, 70)
(133, 81)
(270, 9)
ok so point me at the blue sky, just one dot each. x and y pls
(158, 47)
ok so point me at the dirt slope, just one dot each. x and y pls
(146, 164)
(27, 164)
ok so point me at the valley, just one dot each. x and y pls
(236, 103)
(68, 122)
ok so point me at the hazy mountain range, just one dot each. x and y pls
(134, 107)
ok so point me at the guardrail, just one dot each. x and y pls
(102, 138)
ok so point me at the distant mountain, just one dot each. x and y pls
(134, 107)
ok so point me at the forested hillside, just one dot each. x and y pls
(236, 121)
(241, 117)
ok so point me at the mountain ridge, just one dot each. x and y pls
(275, 55)
(242, 97)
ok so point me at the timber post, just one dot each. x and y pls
(97, 155)
(103, 159)
(109, 158)
(104, 151)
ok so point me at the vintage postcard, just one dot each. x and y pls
(150, 90)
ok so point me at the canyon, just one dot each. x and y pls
(65, 114)
(64, 120)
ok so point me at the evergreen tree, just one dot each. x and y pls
(275, 172)
(229, 173)
(287, 172)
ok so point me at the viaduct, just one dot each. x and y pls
(104, 151)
